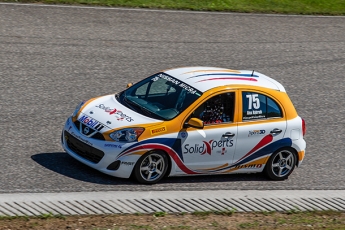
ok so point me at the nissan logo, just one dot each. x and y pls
(86, 130)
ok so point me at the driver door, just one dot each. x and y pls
(211, 148)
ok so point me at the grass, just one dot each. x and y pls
(42, 216)
(225, 212)
(249, 225)
(142, 227)
(310, 7)
(51, 215)
(14, 218)
(296, 219)
(159, 214)
(293, 211)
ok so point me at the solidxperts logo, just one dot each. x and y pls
(119, 114)
(208, 147)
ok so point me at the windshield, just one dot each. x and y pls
(159, 96)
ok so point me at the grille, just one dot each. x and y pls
(83, 150)
(97, 135)
(88, 131)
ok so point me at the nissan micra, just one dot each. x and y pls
(189, 121)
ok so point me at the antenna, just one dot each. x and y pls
(252, 73)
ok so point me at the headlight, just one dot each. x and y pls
(78, 108)
(126, 135)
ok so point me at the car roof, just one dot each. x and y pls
(206, 78)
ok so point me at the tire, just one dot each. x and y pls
(151, 167)
(281, 164)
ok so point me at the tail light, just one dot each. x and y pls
(304, 129)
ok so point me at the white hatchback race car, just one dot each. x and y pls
(189, 121)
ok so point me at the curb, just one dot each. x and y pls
(121, 202)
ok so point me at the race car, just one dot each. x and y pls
(189, 121)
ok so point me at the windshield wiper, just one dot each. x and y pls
(144, 110)
(152, 114)
(131, 103)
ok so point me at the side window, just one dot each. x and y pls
(259, 106)
(273, 109)
(217, 109)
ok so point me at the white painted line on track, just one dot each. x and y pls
(168, 11)
(117, 202)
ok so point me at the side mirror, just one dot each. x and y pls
(129, 85)
(195, 123)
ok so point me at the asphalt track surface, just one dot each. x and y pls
(52, 57)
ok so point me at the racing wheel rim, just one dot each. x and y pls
(152, 167)
(283, 163)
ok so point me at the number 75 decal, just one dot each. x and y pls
(253, 101)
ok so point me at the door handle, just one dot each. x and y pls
(276, 131)
(228, 135)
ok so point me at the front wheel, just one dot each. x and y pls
(151, 167)
(281, 164)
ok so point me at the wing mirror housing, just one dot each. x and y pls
(195, 123)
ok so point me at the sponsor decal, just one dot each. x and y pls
(256, 132)
(90, 122)
(69, 128)
(81, 139)
(127, 163)
(254, 117)
(186, 87)
(158, 130)
(207, 147)
(170, 79)
(223, 151)
(120, 116)
(155, 79)
(248, 166)
(113, 146)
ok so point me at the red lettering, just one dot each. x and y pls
(112, 112)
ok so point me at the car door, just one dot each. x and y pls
(260, 130)
(211, 148)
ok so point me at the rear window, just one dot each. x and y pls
(257, 106)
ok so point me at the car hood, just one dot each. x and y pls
(106, 113)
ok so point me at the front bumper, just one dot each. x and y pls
(98, 154)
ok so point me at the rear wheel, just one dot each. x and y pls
(151, 167)
(281, 164)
